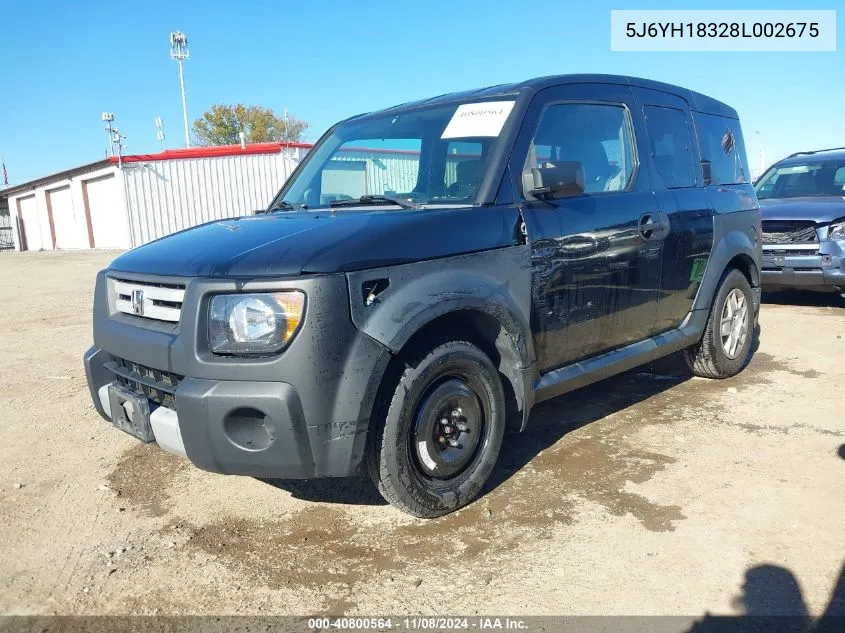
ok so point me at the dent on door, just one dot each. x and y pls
(594, 289)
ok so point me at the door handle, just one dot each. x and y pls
(647, 226)
(653, 225)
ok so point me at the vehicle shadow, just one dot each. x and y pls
(546, 426)
(548, 422)
(804, 298)
(358, 490)
(552, 420)
(544, 429)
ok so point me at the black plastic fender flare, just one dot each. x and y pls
(410, 296)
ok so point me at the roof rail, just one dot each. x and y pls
(816, 151)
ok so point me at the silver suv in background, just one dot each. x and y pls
(802, 203)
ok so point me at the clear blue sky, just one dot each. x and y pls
(66, 62)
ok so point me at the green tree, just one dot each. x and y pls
(221, 125)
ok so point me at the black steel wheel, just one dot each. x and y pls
(442, 431)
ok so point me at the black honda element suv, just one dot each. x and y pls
(429, 273)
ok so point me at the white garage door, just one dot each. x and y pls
(36, 229)
(68, 222)
(108, 217)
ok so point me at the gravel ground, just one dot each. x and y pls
(650, 493)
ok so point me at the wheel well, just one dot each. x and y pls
(744, 264)
(483, 331)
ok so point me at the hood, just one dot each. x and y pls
(819, 210)
(283, 244)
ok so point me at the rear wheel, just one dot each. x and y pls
(726, 344)
(442, 431)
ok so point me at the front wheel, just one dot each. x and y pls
(726, 344)
(441, 435)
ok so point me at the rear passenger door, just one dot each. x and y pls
(681, 197)
(595, 281)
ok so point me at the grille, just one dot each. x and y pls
(791, 251)
(159, 301)
(159, 386)
(789, 231)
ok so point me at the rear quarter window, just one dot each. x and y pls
(721, 143)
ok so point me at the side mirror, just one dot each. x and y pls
(558, 179)
(706, 172)
(538, 190)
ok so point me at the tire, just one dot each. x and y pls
(714, 356)
(409, 455)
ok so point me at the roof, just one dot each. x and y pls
(169, 154)
(836, 153)
(210, 152)
(696, 100)
(57, 177)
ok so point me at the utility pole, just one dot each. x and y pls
(108, 117)
(115, 138)
(179, 52)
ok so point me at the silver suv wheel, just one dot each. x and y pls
(734, 324)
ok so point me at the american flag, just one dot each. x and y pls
(728, 142)
(5, 174)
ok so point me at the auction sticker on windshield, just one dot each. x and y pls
(478, 119)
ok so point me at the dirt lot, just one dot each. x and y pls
(652, 493)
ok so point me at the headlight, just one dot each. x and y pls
(256, 324)
(837, 230)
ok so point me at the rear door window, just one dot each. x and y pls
(671, 146)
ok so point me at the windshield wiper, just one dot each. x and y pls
(284, 205)
(368, 199)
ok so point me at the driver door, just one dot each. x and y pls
(596, 264)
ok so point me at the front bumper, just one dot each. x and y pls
(302, 414)
(813, 265)
(234, 427)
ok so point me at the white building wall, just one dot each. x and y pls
(166, 196)
(396, 172)
(147, 200)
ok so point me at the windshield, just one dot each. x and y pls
(813, 178)
(428, 156)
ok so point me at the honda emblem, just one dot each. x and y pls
(138, 302)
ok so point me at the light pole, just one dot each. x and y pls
(762, 153)
(179, 51)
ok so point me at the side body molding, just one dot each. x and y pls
(496, 283)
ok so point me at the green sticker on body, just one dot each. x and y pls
(698, 266)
